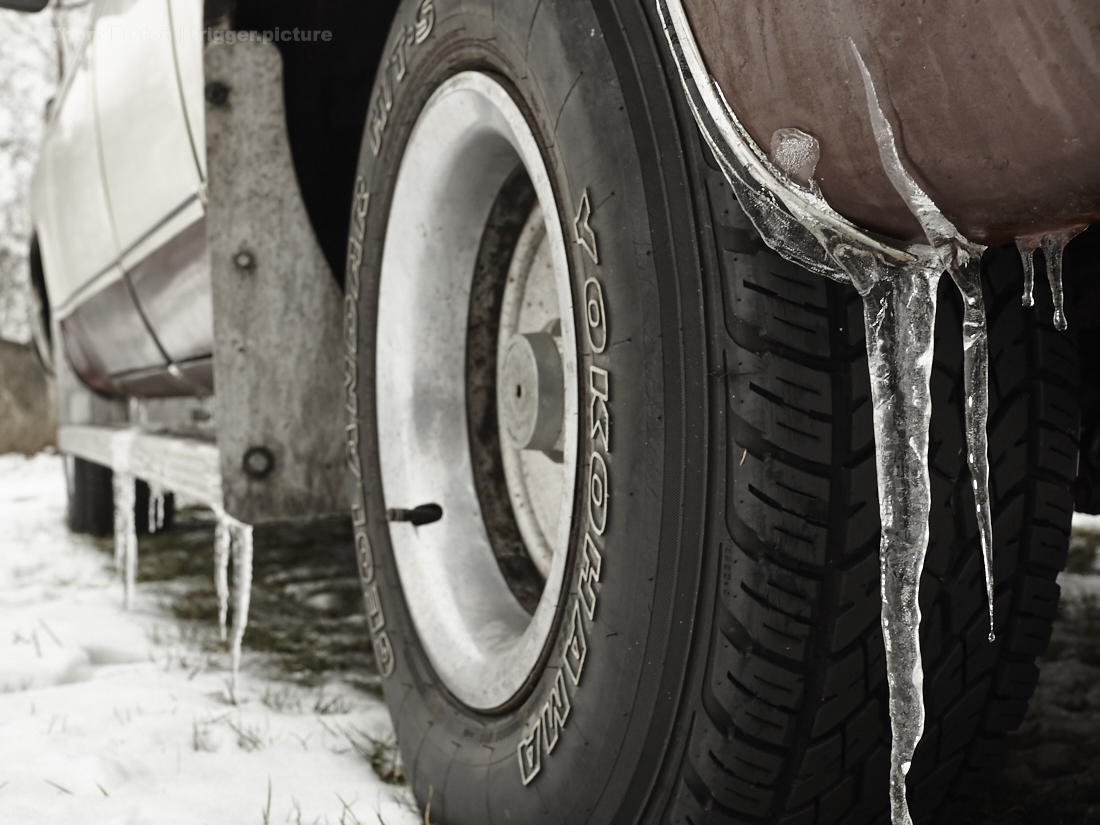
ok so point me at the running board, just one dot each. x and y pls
(189, 467)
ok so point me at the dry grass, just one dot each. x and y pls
(306, 611)
(382, 754)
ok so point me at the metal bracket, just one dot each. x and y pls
(277, 309)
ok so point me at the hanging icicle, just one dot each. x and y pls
(976, 390)
(1054, 244)
(233, 537)
(156, 507)
(242, 586)
(1026, 248)
(900, 310)
(125, 494)
(222, 540)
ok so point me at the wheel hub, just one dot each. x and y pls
(531, 392)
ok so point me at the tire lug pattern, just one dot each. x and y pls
(789, 725)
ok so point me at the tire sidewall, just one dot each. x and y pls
(563, 79)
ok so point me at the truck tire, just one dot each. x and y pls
(92, 501)
(703, 645)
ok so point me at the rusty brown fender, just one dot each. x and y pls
(996, 103)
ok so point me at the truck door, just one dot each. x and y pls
(152, 167)
(102, 329)
(148, 159)
(74, 225)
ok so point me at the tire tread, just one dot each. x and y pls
(792, 725)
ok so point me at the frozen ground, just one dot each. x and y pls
(115, 717)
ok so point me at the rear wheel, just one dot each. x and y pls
(616, 505)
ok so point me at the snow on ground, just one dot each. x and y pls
(115, 717)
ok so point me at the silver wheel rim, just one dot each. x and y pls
(467, 141)
(534, 478)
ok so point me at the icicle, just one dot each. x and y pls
(125, 494)
(230, 534)
(222, 541)
(1054, 245)
(242, 586)
(1052, 251)
(152, 511)
(976, 388)
(1027, 247)
(900, 312)
(900, 315)
(156, 508)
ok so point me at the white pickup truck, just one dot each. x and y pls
(495, 279)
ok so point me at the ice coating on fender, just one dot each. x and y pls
(1053, 245)
(941, 233)
(1052, 251)
(125, 495)
(796, 154)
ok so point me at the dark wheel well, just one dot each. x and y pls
(1082, 280)
(327, 87)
